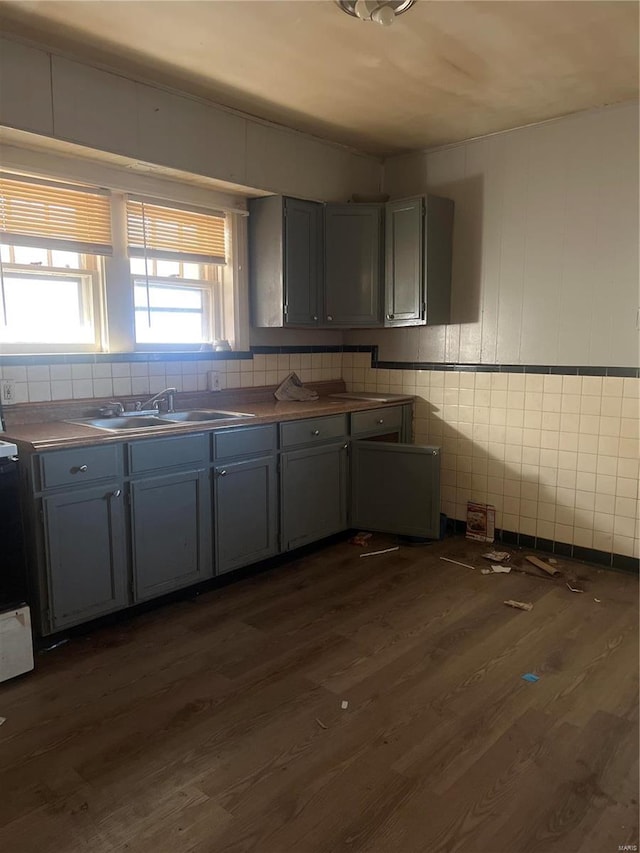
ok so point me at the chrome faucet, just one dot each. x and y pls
(164, 396)
(112, 410)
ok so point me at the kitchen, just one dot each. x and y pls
(531, 391)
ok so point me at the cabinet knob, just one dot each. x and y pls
(315, 316)
(82, 468)
(390, 316)
(116, 493)
(380, 420)
(329, 317)
(222, 473)
(315, 432)
(345, 446)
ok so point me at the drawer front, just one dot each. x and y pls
(389, 418)
(80, 465)
(245, 441)
(184, 451)
(312, 430)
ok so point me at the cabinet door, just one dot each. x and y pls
(353, 246)
(395, 488)
(314, 483)
(302, 262)
(246, 513)
(404, 281)
(171, 533)
(86, 555)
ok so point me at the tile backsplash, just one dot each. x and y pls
(41, 383)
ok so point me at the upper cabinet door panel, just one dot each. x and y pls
(94, 108)
(404, 288)
(184, 133)
(25, 88)
(302, 261)
(353, 235)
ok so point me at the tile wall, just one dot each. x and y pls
(44, 382)
(557, 455)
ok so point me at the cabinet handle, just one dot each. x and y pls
(329, 317)
(222, 473)
(82, 468)
(345, 446)
(315, 316)
(315, 432)
(381, 420)
(116, 493)
(390, 316)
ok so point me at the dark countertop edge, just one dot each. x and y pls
(83, 436)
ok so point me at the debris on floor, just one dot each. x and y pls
(344, 704)
(530, 676)
(383, 551)
(497, 556)
(574, 584)
(361, 539)
(597, 600)
(321, 724)
(519, 605)
(501, 570)
(457, 563)
(485, 571)
(540, 564)
(3, 720)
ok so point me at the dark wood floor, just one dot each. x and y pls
(215, 725)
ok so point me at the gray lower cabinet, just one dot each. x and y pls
(246, 512)
(395, 488)
(85, 554)
(314, 493)
(170, 532)
(353, 265)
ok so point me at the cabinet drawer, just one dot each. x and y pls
(312, 430)
(375, 420)
(183, 451)
(245, 441)
(79, 466)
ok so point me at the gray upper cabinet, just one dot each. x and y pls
(285, 261)
(353, 265)
(418, 243)
(25, 97)
(170, 532)
(395, 488)
(85, 554)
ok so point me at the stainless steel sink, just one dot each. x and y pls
(202, 415)
(118, 424)
(169, 419)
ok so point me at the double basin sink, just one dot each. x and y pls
(135, 421)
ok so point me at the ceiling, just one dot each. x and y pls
(447, 70)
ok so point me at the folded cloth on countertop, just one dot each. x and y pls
(292, 388)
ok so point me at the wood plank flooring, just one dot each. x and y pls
(215, 725)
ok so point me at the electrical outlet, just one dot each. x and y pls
(214, 381)
(8, 391)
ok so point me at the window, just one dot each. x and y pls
(161, 278)
(51, 238)
(176, 259)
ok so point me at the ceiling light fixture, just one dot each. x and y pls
(383, 12)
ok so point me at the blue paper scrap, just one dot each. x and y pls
(529, 676)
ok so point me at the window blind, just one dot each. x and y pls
(54, 216)
(175, 233)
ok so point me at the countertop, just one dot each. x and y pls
(34, 437)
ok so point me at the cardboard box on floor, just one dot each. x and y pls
(481, 522)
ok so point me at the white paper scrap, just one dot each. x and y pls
(501, 570)
(344, 704)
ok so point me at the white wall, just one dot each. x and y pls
(67, 100)
(545, 262)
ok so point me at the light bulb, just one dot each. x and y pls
(384, 15)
